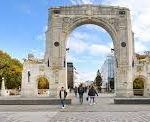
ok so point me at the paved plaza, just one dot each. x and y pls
(103, 111)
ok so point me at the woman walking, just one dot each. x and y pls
(92, 92)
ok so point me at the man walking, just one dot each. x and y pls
(81, 92)
(62, 95)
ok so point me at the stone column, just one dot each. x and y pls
(124, 83)
(3, 91)
(55, 54)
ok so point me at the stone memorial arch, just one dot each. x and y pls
(115, 20)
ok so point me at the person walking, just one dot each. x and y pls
(62, 95)
(92, 92)
(81, 92)
(75, 91)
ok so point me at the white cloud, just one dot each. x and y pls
(76, 2)
(95, 27)
(96, 49)
(140, 10)
(76, 42)
(45, 28)
(71, 58)
(37, 53)
(73, 2)
(110, 45)
(140, 47)
(87, 1)
(80, 36)
(79, 43)
(77, 46)
(140, 16)
(87, 75)
(42, 36)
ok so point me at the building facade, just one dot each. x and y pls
(70, 74)
(141, 73)
(107, 72)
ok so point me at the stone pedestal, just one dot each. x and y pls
(3, 90)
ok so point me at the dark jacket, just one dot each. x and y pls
(92, 92)
(80, 90)
(65, 94)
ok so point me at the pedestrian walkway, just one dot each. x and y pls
(103, 111)
(105, 103)
(143, 116)
(26, 116)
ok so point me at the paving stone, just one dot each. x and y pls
(143, 116)
(103, 111)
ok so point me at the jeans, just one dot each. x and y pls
(81, 99)
(92, 98)
(62, 102)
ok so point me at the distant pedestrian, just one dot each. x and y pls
(69, 89)
(75, 91)
(81, 92)
(92, 92)
(85, 89)
(62, 95)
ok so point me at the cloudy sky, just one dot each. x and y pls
(23, 23)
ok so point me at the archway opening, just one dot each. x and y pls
(90, 49)
(43, 86)
(138, 86)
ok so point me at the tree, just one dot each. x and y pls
(98, 81)
(43, 83)
(138, 86)
(11, 70)
(138, 83)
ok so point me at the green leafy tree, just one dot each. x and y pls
(11, 70)
(98, 81)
